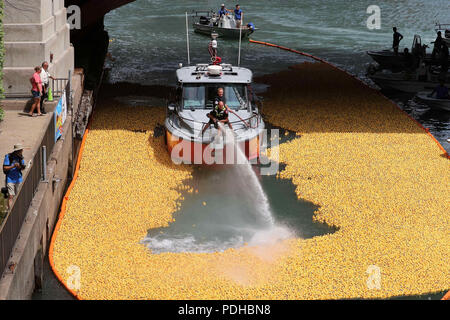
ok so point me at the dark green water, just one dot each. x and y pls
(225, 213)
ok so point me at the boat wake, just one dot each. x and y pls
(236, 212)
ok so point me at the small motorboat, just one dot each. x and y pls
(410, 82)
(208, 22)
(387, 59)
(424, 97)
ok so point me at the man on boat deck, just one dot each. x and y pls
(437, 45)
(396, 41)
(444, 55)
(219, 113)
(238, 16)
(223, 11)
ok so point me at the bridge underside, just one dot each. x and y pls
(93, 12)
(91, 42)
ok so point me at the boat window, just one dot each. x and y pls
(235, 96)
(193, 97)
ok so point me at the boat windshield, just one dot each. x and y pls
(201, 96)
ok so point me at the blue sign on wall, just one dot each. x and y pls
(60, 116)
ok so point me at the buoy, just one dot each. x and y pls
(50, 95)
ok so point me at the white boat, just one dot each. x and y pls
(189, 137)
(207, 22)
(432, 102)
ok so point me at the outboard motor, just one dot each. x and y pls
(204, 20)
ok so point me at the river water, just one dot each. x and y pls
(148, 41)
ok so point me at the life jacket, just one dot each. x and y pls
(220, 113)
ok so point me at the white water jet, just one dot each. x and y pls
(245, 174)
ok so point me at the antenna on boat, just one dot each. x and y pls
(187, 40)
(240, 39)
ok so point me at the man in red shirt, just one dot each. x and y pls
(36, 91)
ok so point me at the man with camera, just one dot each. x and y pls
(12, 168)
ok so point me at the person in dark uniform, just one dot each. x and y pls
(219, 113)
(397, 37)
(444, 58)
(408, 60)
(437, 45)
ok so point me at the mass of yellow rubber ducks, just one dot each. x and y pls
(372, 171)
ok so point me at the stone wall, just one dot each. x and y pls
(35, 30)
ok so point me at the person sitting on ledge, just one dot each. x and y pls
(219, 113)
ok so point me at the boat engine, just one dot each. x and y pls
(204, 20)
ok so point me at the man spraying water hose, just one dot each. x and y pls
(218, 115)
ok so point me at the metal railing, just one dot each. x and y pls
(58, 85)
(253, 121)
(12, 223)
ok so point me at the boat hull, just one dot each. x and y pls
(443, 104)
(222, 32)
(403, 85)
(387, 59)
(191, 152)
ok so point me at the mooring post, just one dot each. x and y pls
(44, 163)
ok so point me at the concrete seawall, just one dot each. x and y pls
(24, 271)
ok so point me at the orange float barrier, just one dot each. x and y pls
(356, 79)
(447, 296)
(61, 216)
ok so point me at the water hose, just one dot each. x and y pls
(246, 124)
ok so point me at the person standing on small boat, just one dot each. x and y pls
(238, 16)
(437, 45)
(444, 58)
(397, 37)
(409, 60)
(223, 11)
